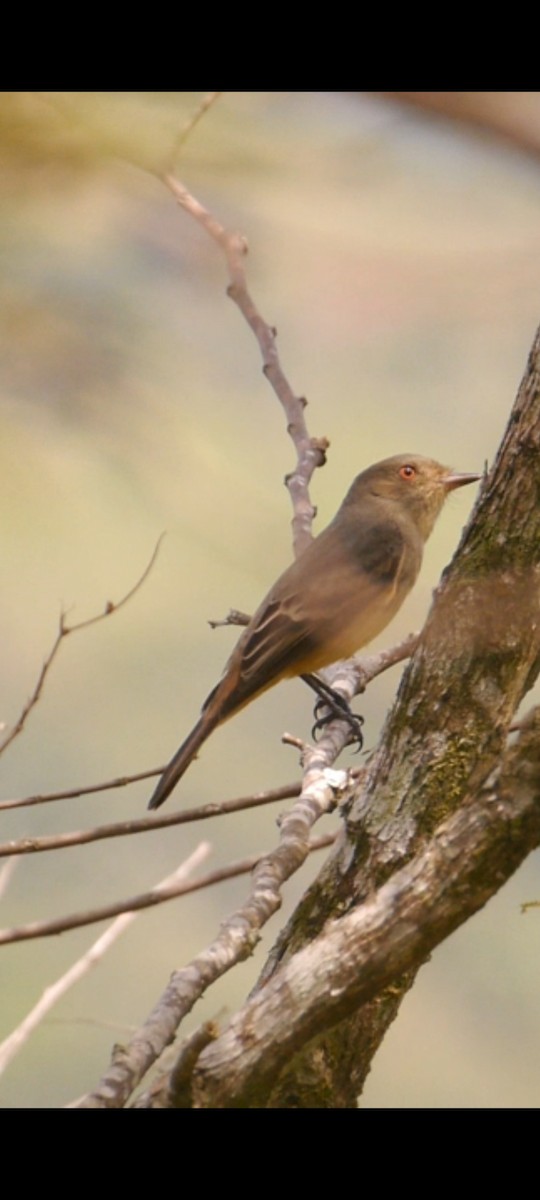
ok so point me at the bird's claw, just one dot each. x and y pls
(336, 708)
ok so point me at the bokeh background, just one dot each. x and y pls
(399, 258)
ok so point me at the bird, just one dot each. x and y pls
(341, 592)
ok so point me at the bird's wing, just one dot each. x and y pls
(327, 598)
(283, 634)
(263, 654)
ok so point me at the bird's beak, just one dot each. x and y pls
(453, 480)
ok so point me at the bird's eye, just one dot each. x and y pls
(407, 472)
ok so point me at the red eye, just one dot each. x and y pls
(407, 472)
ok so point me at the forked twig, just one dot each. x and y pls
(110, 608)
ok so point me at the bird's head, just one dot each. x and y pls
(418, 486)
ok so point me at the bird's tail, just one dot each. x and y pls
(180, 763)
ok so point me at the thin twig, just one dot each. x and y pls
(12, 1044)
(63, 631)
(82, 837)
(38, 929)
(86, 790)
(310, 452)
(234, 617)
(190, 124)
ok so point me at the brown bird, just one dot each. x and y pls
(337, 596)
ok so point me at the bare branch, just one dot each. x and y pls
(12, 1044)
(110, 608)
(39, 929)
(158, 895)
(87, 790)
(81, 837)
(367, 666)
(189, 126)
(310, 452)
(234, 617)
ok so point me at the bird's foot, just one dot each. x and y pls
(334, 707)
(339, 710)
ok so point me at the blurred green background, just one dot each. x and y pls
(399, 260)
